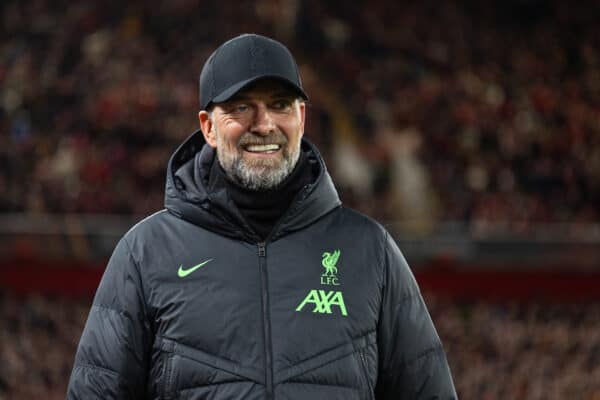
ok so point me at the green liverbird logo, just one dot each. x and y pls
(329, 262)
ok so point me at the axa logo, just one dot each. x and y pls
(324, 301)
(329, 277)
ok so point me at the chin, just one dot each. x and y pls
(264, 164)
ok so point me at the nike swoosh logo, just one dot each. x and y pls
(182, 273)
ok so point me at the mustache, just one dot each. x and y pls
(249, 139)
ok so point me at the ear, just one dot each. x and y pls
(302, 111)
(208, 129)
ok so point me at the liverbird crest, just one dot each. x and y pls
(329, 262)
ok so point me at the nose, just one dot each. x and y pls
(263, 123)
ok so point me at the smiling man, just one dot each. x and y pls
(254, 282)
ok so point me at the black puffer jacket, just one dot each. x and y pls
(191, 306)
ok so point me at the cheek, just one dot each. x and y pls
(231, 135)
(292, 129)
(295, 133)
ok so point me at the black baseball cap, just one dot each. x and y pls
(243, 60)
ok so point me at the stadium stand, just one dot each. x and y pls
(96, 97)
(476, 126)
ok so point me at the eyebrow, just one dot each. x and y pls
(273, 96)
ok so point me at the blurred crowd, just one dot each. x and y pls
(521, 351)
(425, 111)
(38, 339)
(517, 351)
(489, 112)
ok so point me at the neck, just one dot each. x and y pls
(262, 209)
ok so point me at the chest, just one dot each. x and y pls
(298, 293)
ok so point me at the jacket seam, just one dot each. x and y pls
(365, 335)
(383, 252)
(433, 350)
(120, 312)
(320, 384)
(137, 268)
(407, 298)
(145, 219)
(179, 343)
(318, 366)
(99, 368)
(167, 384)
(226, 382)
(384, 269)
(354, 350)
(364, 364)
(172, 353)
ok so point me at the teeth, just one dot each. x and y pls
(259, 148)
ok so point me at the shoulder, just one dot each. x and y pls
(370, 233)
(352, 219)
(363, 231)
(151, 225)
(153, 232)
(138, 233)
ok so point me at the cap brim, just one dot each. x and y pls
(232, 90)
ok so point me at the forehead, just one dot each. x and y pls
(265, 88)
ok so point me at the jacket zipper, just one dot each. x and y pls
(262, 262)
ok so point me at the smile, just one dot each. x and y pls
(262, 148)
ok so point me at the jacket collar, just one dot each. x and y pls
(188, 195)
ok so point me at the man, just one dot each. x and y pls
(254, 282)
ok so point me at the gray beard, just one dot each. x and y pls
(254, 176)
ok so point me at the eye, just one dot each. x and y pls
(282, 104)
(235, 108)
(240, 108)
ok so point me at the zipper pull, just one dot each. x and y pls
(262, 251)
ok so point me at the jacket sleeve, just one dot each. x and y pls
(113, 351)
(412, 362)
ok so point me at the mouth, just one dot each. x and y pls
(262, 148)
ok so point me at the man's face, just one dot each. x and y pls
(257, 134)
